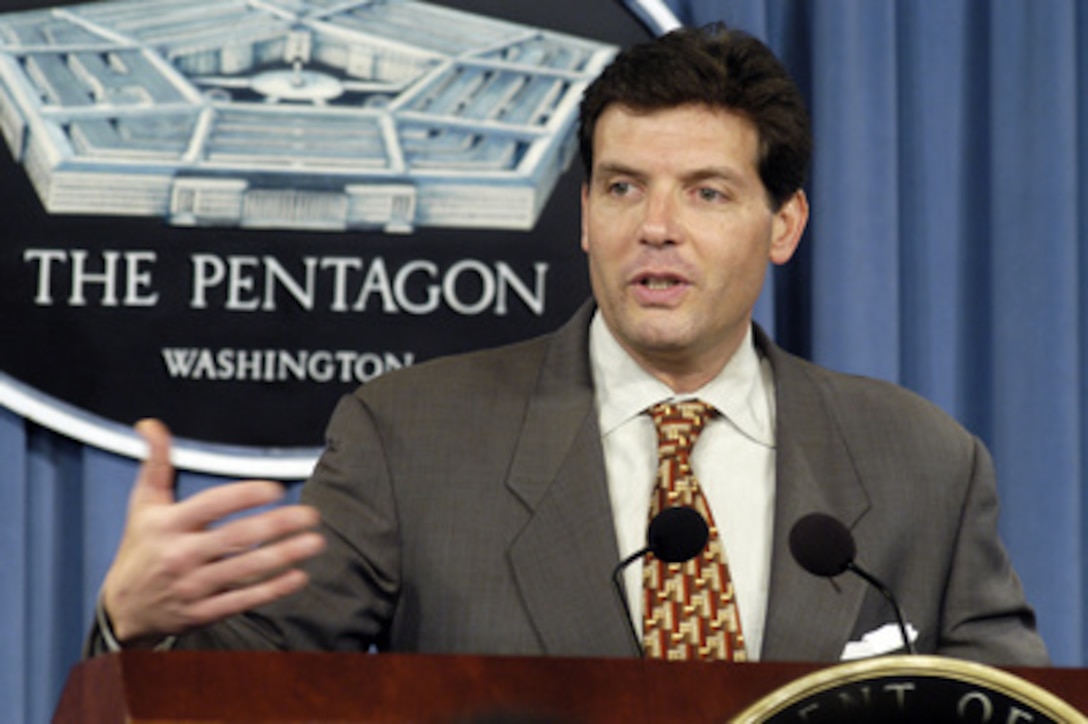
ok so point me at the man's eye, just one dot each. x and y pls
(708, 194)
(619, 188)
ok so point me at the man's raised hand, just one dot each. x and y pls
(179, 566)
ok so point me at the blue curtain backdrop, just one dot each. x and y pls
(950, 197)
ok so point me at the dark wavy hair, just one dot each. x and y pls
(720, 68)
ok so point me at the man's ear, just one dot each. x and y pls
(788, 227)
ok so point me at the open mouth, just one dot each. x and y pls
(659, 283)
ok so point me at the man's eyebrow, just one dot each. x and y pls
(725, 173)
(617, 168)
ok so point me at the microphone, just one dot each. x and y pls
(675, 535)
(824, 547)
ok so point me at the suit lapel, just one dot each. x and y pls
(809, 618)
(563, 558)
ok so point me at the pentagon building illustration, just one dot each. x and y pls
(292, 114)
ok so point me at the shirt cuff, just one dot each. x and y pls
(105, 628)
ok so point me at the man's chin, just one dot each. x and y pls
(652, 330)
(660, 341)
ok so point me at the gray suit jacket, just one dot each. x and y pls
(466, 510)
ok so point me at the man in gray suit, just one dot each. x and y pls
(481, 503)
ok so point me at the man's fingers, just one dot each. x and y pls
(155, 481)
(245, 534)
(222, 501)
(183, 580)
(254, 568)
(236, 600)
(241, 551)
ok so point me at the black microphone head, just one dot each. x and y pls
(822, 545)
(677, 534)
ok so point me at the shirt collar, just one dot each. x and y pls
(624, 390)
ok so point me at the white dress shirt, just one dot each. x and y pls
(733, 459)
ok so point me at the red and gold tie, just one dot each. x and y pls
(689, 608)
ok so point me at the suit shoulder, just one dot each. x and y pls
(514, 364)
(511, 369)
(878, 395)
(869, 409)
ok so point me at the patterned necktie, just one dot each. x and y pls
(689, 609)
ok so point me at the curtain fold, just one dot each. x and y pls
(945, 252)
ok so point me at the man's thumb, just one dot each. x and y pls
(155, 481)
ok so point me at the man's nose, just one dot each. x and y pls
(659, 219)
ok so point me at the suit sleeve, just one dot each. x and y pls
(985, 616)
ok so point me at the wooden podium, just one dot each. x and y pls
(323, 687)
